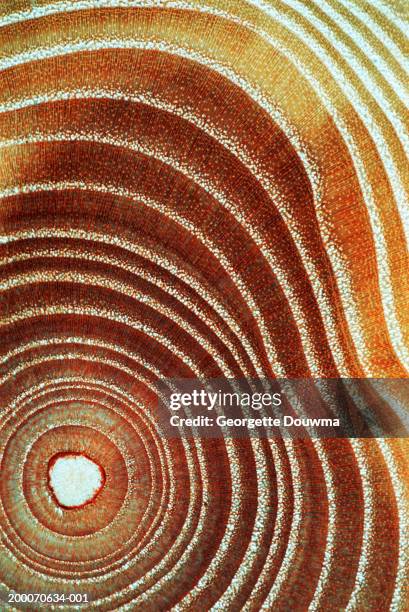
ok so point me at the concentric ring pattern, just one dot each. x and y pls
(214, 189)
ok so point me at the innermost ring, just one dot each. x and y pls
(74, 479)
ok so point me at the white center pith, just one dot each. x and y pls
(74, 480)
